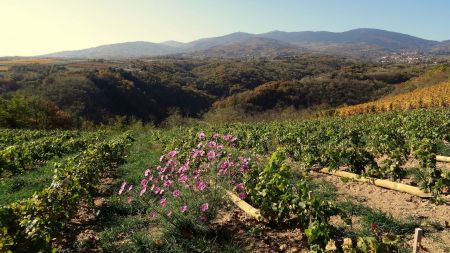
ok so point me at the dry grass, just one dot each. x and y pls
(21, 61)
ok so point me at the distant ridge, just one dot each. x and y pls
(357, 42)
(119, 50)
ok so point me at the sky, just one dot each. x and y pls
(33, 27)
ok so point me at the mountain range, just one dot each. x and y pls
(363, 42)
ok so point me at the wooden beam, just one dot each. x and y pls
(381, 182)
(441, 158)
(246, 207)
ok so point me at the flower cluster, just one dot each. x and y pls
(189, 186)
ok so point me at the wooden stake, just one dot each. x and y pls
(244, 206)
(417, 239)
(310, 197)
(441, 158)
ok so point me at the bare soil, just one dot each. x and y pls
(257, 237)
(400, 206)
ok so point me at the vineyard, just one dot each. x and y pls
(172, 190)
(429, 97)
(370, 145)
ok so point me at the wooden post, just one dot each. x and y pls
(417, 239)
(310, 197)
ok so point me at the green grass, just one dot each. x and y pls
(24, 185)
(385, 222)
(324, 190)
(444, 149)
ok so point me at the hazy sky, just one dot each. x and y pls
(31, 27)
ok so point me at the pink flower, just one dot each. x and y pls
(197, 152)
(201, 185)
(212, 144)
(143, 190)
(156, 189)
(147, 172)
(242, 195)
(229, 138)
(216, 136)
(183, 169)
(167, 183)
(163, 202)
(197, 172)
(240, 187)
(170, 164)
(172, 153)
(184, 208)
(211, 155)
(152, 216)
(130, 199)
(201, 136)
(219, 147)
(244, 164)
(130, 188)
(169, 214)
(144, 182)
(223, 167)
(183, 179)
(176, 193)
(161, 158)
(202, 219)
(204, 207)
(122, 188)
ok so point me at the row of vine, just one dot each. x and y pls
(33, 223)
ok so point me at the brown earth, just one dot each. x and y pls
(400, 206)
(257, 237)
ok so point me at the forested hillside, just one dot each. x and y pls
(72, 93)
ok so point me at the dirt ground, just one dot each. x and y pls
(256, 237)
(399, 205)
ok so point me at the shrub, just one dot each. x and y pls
(185, 190)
